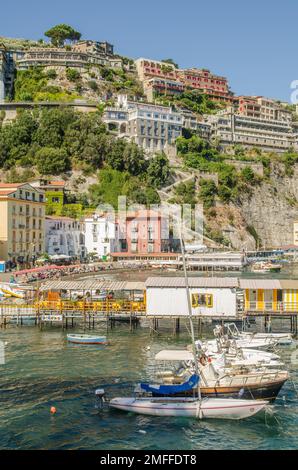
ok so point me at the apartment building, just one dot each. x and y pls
(231, 128)
(101, 235)
(201, 128)
(159, 86)
(64, 236)
(6, 73)
(161, 77)
(145, 232)
(22, 215)
(215, 86)
(147, 69)
(94, 47)
(152, 127)
(263, 108)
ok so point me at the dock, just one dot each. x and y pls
(158, 301)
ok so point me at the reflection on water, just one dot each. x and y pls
(43, 370)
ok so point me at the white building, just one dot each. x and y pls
(65, 236)
(210, 296)
(152, 127)
(101, 236)
(230, 128)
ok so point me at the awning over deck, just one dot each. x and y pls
(92, 285)
(174, 355)
(264, 284)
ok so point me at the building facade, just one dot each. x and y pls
(145, 231)
(215, 86)
(64, 236)
(152, 127)
(22, 215)
(230, 128)
(101, 236)
(7, 70)
(161, 77)
(158, 86)
(214, 297)
(262, 108)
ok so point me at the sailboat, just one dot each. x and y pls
(165, 403)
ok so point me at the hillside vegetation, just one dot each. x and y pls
(59, 141)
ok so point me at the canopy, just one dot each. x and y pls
(35, 270)
(171, 389)
(174, 355)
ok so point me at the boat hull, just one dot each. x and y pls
(211, 408)
(268, 391)
(90, 340)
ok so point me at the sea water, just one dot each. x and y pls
(42, 370)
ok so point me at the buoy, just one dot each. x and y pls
(53, 410)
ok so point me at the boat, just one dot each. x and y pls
(86, 339)
(219, 378)
(168, 400)
(265, 267)
(213, 349)
(190, 407)
(281, 339)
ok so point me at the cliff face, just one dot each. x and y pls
(273, 207)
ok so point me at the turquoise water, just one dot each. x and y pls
(42, 370)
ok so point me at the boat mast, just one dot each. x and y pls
(194, 349)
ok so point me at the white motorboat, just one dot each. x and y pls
(216, 408)
(249, 343)
(238, 355)
(279, 338)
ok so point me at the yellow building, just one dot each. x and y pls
(270, 295)
(22, 216)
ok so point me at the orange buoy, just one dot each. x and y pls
(53, 410)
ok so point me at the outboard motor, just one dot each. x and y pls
(100, 398)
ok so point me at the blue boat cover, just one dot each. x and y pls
(171, 389)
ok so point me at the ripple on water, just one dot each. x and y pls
(43, 370)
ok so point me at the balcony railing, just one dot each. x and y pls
(264, 306)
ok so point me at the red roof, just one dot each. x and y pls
(11, 185)
(56, 183)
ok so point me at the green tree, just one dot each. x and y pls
(72, 75)
(248, 175)
(171, 61)
(52, 161)
(207, 192)
(158, 171)
(61, 33)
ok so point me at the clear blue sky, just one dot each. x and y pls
(253, 44)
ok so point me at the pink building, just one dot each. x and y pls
(145, 233)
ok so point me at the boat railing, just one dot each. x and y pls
(250, 379)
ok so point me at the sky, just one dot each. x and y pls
(253, 44)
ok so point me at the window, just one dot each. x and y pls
(202, 300)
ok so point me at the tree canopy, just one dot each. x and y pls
(61, 33)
